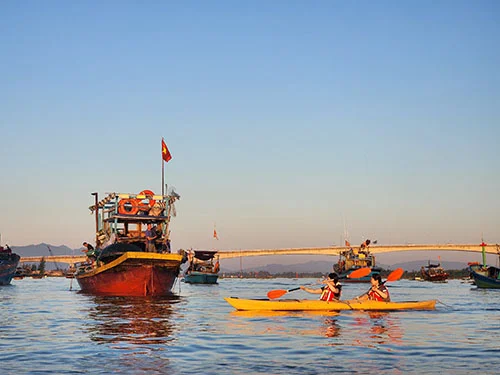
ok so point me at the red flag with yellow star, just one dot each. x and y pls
(165, 154)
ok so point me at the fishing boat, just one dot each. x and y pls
(8, 264)
(125, 262)
(202, 269)
(433, 272)
(317, 305)
(484, 276)
(353, 259)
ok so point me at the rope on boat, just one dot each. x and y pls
(444, 304)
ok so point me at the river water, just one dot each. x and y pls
(46, 328)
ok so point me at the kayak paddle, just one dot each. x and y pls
(279, 292)
(395, 275)
(361, 272)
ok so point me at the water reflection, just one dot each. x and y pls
(332, 328)
(131, 320)
(383, 328)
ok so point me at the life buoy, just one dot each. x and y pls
(151, 202)
(128, 206)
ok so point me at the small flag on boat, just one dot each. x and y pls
(215, 234)
(165, 154)
(347, 243)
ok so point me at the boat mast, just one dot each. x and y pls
(483, 251)
(96, 219)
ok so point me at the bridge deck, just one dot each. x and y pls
(334, 250)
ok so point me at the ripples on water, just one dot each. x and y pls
(48, 329)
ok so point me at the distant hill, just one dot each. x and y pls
(41, 250)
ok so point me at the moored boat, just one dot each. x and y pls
(484, 276)
(317, 305)
(487, 277)
(8, 264)
(353, 259)
(433, 272)
(202, 269)
(130, 260)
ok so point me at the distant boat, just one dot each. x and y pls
(484, 276)
(487, 277)
(8, 265)
(123, 265)
(353, 259)
(433, 272)
(202, 269)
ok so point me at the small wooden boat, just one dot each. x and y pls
(433, 272)
(202, 269)
(125, 262)
(317, 305)
(8, 265)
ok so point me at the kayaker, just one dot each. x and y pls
(378, 291)
(331, 291)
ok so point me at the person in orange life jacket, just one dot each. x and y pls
(378, 291)
(331, 291)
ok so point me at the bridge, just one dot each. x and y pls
(332, 250)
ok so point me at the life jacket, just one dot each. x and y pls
(328, 295)
(374, 296)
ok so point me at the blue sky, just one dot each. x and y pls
(287, 120)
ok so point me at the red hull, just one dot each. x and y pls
(133, 274)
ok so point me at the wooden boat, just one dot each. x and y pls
(433, 272)
(353, 259)
(317, 305)
(484, 276)
(123, 266)
(202, 269)
(487, 277)
(8, 264)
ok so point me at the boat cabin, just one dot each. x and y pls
(122, 219)
(202, 261)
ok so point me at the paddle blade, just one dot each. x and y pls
(361, 272)
(273, 294)
(396, 274)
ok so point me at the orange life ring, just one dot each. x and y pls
(128, 206)
(151, 202)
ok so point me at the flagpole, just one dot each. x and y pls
(162, 173)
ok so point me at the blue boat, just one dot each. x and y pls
(487, 277)
(202, 269)
(8, 264)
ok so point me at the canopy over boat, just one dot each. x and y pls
(317, 305)
(204, 254)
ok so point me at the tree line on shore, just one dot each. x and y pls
(409, 275)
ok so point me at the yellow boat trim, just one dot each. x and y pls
(133, 255)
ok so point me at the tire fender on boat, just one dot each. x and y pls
(128, 206)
